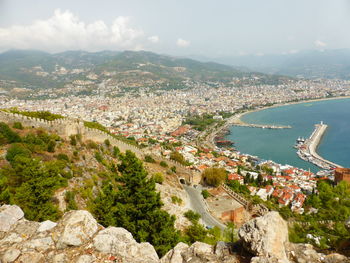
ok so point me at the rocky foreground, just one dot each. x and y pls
(77, 237)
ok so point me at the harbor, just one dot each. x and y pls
(307, 149)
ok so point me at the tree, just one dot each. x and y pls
(176, 156)
(230, 233)
(214, 176)
(15, 150)
(136, 206)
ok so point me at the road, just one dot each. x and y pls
(198, 205)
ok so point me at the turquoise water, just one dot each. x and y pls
(277, 145)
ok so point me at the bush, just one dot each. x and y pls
(73, 140)
(192, 216)
(173, 169)
(158, 178)
(63, 157)
(163, 164)
(107, 143)
(176, 156)
(214, 176)
(116, 151)
(205, 194)
(18, 126)
(92, 145)
(149, 159)
(7, 135)
(17, 149)
(51, 146)
(98, 157)
(70, 200)
(176, 200)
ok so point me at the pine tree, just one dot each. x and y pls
(136, 206)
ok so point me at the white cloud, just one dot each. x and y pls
(182, 42)
(65, 31)
(154, 39)
(320, 44)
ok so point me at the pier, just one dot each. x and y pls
(307, 151)
(236, 121)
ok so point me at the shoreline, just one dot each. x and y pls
(237, 118)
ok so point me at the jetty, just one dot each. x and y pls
(307, 150)
(236, 121)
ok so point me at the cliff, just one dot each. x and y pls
(77, 237)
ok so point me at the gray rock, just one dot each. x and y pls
(336, 258)
(59, 258)
(46, 225)
(26, 228)
(118, 241)
(10, 239)
(265, 260)
(31, 257)
(40, 244)
(9, 215)
(175, 254)
(303, 253)
(85, 259)
(266, 236)
(75, 229)
(10, 255)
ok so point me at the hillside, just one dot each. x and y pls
(29, 70)
(331, 64)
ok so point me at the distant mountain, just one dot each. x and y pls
(308, 64)
(36, 69)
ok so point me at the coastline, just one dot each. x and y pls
(237, 118)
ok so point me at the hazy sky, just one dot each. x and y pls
(178, 27)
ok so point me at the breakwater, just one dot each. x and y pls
(236, 121)
(308, 150)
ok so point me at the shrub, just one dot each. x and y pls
(98, 157)
(116, 151)
(17, 149)
(158, 178)
(51, 146)
(73, 140)
(107, 143)
(149, 159)
(70, 200)
(163, 164)
(192, 216)
(176, 200)
(214, 176)
(176, 156)
(63, 157)
(18, 126)
(92, 145)
(205, 194)
(173, 169)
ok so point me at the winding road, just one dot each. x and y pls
(198, 205)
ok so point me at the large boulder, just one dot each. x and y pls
(266, 236)
(119, 241)
(9, 216)
(75, 228)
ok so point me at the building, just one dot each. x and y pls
(342, 174)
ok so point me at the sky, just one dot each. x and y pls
(212, 28)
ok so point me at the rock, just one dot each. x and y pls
(199, 248)
(46, 225)
(75, 228)
(303, 253)
(118, 241)
(336, 258)
(264, 260)
(9, 215)
(40, 244)
(222, 249)
(266, 236)
(85, 259)
(10, 255)
(32, 257)
(10, 239)
(174, 255)
(26, 228)
(59, 258)
(347, 224)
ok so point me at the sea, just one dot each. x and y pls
(277, 145)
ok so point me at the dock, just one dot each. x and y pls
(238, 122)
(308, 150)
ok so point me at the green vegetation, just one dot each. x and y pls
(214, 176)
(178, 157)
(70, 200)
(45, 115)
(205, 194)
(176, 200)
(163, 164)
(158, 178)
(18, 126)
(333, 208)
(133, 203)
(200, 122)
(149, 159)
(7, 135)
(192, 216)
(95, 125)
(28, 181)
